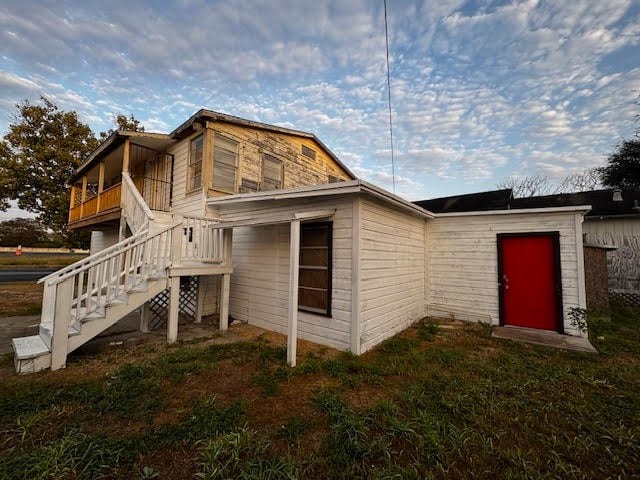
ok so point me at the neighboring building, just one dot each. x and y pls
(281, 235)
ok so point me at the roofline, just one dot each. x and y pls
(515, 211)
(224, 117)
(338, 188)
(622, 216)
(107, 142)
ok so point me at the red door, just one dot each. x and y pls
(529, 280)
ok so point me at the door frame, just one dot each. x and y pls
(555, 239)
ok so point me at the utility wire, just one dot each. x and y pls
(386, 37)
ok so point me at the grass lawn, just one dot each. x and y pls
(432, 402)
(39, 260)
(20, 298)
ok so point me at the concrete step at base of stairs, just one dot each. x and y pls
(31, 354)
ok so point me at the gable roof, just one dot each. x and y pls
(470, 202)
(204, 114)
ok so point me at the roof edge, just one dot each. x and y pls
(515, 211)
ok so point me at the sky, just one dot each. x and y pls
(480, 90)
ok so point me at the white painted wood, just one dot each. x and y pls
(134, 208)
(392, 271)
(101, 239)
(582, 292)
(294, 263)
(145, 317)
(224, 302)
(200, 299)
(174, 308)
(64, 294)
(463, 261)
(356, 327)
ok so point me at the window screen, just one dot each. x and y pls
(272, 172)
(195, 163)
(314, 276)
(225, 164)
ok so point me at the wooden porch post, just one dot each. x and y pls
(200, 300)
(145, 317)
(294, 262)
(100, 184)
(224, 301)
(60, 339)
(174, 308)
(83, 197)
(125, 156)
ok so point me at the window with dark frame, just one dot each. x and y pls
(308, 152)
(225, 163)
(314, 275)
(272, 173)
(195, 163)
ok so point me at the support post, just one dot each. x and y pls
(200, 301)
(356, 327)
(100, 185)
(176, 241)
(83, 196)
(228, 246)
(145, 317)
(224, 301)
(125, 155)
(174, 308)
(60, 338)
(294, 262)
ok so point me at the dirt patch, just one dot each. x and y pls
(20, 298)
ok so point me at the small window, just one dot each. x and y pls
(308, 152)
(333, 179)
(314, 275)
(272, 172)
(195, 163)
(225, 164)
(249, 186)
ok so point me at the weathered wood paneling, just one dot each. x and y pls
(623, 263)
(392, 271)
(299, 170)
(101, 239)
(260, 280)
(463, 262)
(184, 203)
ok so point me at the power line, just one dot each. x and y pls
(386, 37)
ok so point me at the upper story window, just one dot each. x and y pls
(272, 172)
(225, 164)
(195, 163)
(308, 152)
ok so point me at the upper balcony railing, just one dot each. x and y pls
(107, 200)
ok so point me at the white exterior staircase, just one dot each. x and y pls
(84, 299)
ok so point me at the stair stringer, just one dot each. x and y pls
(113, 313)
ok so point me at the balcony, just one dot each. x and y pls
(96, 189)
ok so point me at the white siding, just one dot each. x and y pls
(183, 203)
(463, 262)
(210, 289)
(392, 271)
(260, 279)
(101, 239)
(624, 262)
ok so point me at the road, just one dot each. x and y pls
(24, 275)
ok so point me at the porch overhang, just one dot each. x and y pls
(276, 219)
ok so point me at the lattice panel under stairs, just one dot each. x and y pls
(159, 305)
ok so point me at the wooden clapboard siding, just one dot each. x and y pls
(210, 289)
(623, 264)
(392, 271)
(299, 170)
(101, 239)
(260, 280)
(183, 202)
(463, 262)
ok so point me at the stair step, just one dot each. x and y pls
(84, 316)
(29, 347)
(139, 287)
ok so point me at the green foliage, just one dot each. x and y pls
(122, 122)
(243, 455)
(26, 232)
(42, 148)
(623, 166)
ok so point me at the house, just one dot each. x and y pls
(280, 234)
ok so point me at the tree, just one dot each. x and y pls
(123, 122)
(583, 181)
(42, 148)
(623, 166)
(24, 231)
(527, 186)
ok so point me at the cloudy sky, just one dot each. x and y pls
(480, 90)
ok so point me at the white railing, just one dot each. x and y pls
(77, 293)
(134, 208)
(201, 240)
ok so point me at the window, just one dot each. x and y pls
(314, 275)
(225, 164)
(248, 186)
(272, 172)
(308, 152)
(195, 163)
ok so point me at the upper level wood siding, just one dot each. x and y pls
(253, 143)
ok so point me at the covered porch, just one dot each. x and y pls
(97, 188)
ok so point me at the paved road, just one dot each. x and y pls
(24, 275)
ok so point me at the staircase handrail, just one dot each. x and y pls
(93, 259)
(142, 238)
(132, 190)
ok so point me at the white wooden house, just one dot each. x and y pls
(283, 236)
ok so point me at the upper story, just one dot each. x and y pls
(211, 154)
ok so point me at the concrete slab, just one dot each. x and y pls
(544, 337)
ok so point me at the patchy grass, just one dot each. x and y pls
(39, 260)
(20, 298)
(431, 403)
